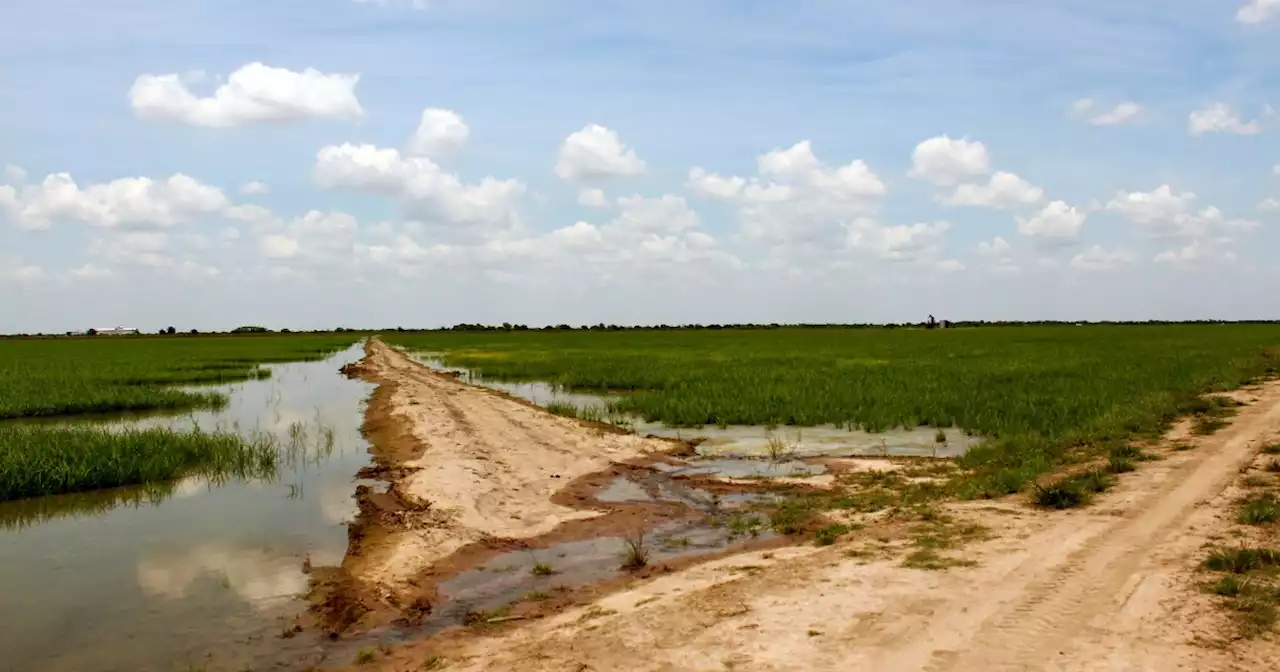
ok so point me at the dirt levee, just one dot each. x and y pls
(480, 465)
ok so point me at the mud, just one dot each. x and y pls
(420, 560)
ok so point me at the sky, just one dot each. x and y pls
(420, 163)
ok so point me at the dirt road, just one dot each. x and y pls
(1111, 587)
(471, 465)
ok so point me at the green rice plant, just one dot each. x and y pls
(1041, 396)
(828, 535)
(38, 461)
(560, 408)
(1074, 490)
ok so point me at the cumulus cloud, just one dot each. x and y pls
(1162, 212)
(593, 198)
(254, 188)
(90, 271)
(946, 162)
(1258, 11)
(594, 154)
(796, 197)
(1056, 222)
(440, 133)
(1269, 205)
(425, 190)
(14, 175)
(996, 247)
(132, 202)
(1197, 252)
(913, 242)
(255, 93)
(14, 270)
(1220, 118)
(1003, 191)
(950, 266)
(1098, 258)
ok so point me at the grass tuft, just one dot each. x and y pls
(635, 553)
(1261, 510)
(1073, 491)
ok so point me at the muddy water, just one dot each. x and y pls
(196, 575)
(743, 440)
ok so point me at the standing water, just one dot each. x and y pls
(196, 575)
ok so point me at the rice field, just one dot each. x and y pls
(65, 379)
(1041, 395)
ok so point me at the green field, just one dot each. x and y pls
(1042, 395)
(65, 378)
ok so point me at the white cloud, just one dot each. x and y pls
(797, 198)
(595, 153)
(134, 202)
(91, 272)
(440, 133)
(593, 198)
(1269, 205)
(996, 247)
(13, 270)
(277, 246)
(1196, 252)
(1220, 118)
(713, 185)
(950, 266)
(14, 175)
(254, 188)
(1275, 170)
(1097, 258)
(255, 93)
(1124, 113)
(1258, 11)
(1004, 190)
(1164, 213)
(945, 161)
(1057, 221)
(424, 189)
(897, 243)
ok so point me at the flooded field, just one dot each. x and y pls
(198, 574)
(739, 440)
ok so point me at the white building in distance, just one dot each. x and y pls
(116, 331)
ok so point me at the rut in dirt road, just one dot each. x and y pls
(1051, 600)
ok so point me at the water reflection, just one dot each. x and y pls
(163, 576)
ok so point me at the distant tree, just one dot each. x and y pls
(284, 331)
(250, 329)
(91, 332)
(171, 331)
(194, 332)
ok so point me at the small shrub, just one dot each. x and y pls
(1119, 465)
(1259, 511)
(940, 436)
(365, 656)
(829, 534)
(1273, 449)
(1273, 466)
(635, 554)
(1228, 586)
(542, 569)
(1073, 491)
(1241, 560)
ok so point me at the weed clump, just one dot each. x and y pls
(1261, 510)
(635, 553)
(542, 569)
(829, 534)
(1073, 491)
(1241, 560)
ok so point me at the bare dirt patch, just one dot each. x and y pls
(1110, 587)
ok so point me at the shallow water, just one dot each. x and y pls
(197, 574)
(742, 440)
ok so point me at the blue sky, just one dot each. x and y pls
(400, 237)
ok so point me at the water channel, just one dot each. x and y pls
(196, 575)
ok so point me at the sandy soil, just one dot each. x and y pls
(1112, 587)
(472, 465)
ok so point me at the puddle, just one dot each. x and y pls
(194, 574)
(740, 440)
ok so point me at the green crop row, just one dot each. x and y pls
(55, 377)
(64, 378)
(56, 460)
(1036, 393)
